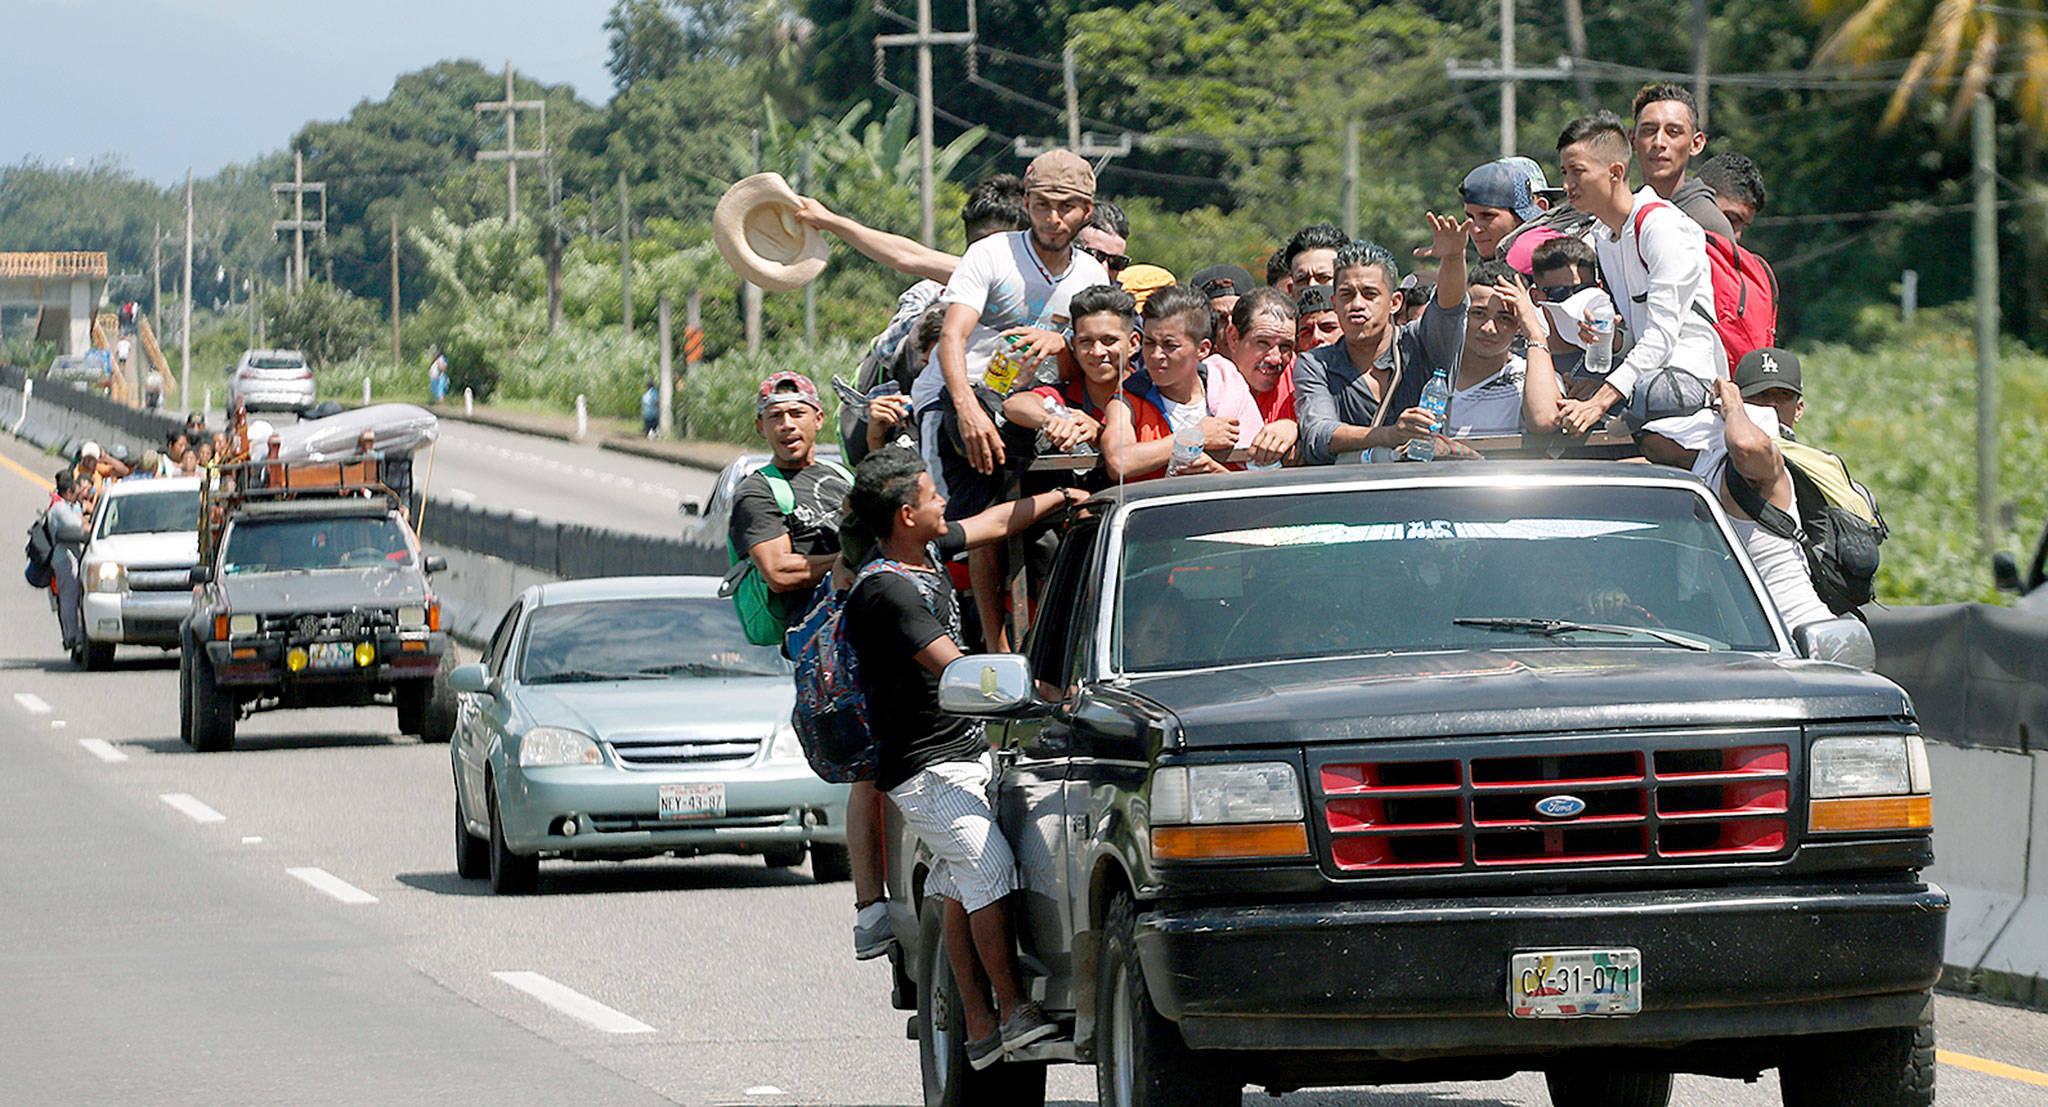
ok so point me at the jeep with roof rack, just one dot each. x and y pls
(1409, 773)
(311, 589)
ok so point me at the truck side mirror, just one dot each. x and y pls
(991, 685)
(435, 563)
(1843, 641)
(2005, 572)
(201, 574)
(473, 677)
(690, 507)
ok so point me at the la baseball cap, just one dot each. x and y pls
(1501, 184)
(786, 387)
(1314, 298)
(1761, 370)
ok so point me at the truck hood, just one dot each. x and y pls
(327, 590)
(1510, 691)
(685, 708)
(153, 550)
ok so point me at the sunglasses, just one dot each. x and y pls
(1559, 293)
(1115, 263)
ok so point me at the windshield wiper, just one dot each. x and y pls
(1551, 628)
(702, 669)
(583, 676)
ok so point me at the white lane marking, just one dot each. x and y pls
(102, 749)
(766, 1089)
(199, 812)
(574, 1004)
(252, 841)
(32, 703)
(56, 724)
(462, 495)
(333, 885)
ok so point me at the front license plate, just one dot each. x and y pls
(331, 655)
(1575, 983)
(693, 801)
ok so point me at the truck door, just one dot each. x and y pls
(1032, 758)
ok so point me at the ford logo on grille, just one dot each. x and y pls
(1560, 807)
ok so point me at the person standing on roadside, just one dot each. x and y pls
(64, 522)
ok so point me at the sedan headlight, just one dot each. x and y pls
(553, 745)
(1231, 812)
(107, 576)
(784, 745)
(1869, 782)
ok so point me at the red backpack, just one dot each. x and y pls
(1745, 292)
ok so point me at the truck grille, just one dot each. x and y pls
(671, 751)
(174, 579)
(313, 626)
(1652, 803)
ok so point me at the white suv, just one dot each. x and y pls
(137, 568)
(271, 380)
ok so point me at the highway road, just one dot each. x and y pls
(282, 924)
(564, 481)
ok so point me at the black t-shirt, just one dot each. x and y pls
(813, 527)
(888, 619)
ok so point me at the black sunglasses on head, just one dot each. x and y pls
(1111, 262)
(1560, 293)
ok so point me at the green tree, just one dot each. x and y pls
(325, 323)
(1951, 45)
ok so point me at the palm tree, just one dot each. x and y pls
(1951, 46)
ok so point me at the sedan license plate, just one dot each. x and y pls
(1575, 983)
(693, 801)
(331, 655)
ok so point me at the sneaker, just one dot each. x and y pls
(1026, 1025)
(872, 934)
(985, 1052)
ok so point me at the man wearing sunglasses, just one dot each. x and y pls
(1106, 238)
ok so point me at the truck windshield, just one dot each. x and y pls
(1231, 580)
(642, 639)
(306, 545)
(140, 513)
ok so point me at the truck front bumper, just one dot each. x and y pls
(403, 655)
(1402, 979)
(136, 618)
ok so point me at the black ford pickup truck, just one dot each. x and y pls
(1416, 773)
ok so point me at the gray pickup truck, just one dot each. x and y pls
(1420, 773)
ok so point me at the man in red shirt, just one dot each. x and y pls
(1264, 320)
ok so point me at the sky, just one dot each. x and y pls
(164, 85)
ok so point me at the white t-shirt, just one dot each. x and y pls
(1001, 277)
(1661, 283)
(1181, 416)
(1491, 407)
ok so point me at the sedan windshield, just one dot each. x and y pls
(666, 638)
(1326, 574)
(149, 513)
(306, 545)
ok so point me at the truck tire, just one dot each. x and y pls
(472, 854)
(830, 864)
(783, 857)
(213, 710)
(412, 698)
(99, 656)
(1608, 1089)
(511, 874)
(949, 1081)
(185, 696)
(1140, 1058)
(1889, 1067)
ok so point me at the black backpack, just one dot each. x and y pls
(38, 551)
(1838, 523)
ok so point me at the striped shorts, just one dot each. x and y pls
(947, 806)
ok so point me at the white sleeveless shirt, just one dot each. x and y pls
(1782, 565)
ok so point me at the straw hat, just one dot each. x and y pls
(757, 232)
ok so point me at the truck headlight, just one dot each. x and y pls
(107, 576)
(1869, 782)
(1227, 811)
(239, 625)
(553, 745)
(412, 617)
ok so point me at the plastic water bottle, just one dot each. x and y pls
(1187, 449)
(1436, 399)
(1004, 365)
(1600, 355)
(1054, 409)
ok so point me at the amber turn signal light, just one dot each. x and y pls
(1871, 813)
(1229, 843)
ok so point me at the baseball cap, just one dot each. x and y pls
(1142, 281)
(1222, 280)
(90, 449)
(1766, 368)
(1314, 298)
(1538, 183)
(785, 387)
(1415, 283)
(1060, 174)
(1501, 184)
(1667, 393)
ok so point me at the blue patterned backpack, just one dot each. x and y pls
(831, 714)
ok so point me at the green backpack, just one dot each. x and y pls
(764, 613)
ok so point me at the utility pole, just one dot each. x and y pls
(511, 155)
(1700, 44)
(1508, 76)
(803, 177)
(693, 341)
(1575, 39)
(665, 388)
(750, 293)
(924, 40)
(1351, 178)
(156, 277)
(625, 258)
(394, 290)
(1073, 97)
(298, 224)
(1984, 171)
(185, 305)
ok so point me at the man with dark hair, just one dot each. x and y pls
(1486, 389)
(1107, 238)
(1276, 270)
(1563, 267)
(1310, 254)
(1315, 319)
(1182, 386)
(64, 523)
(903, 623)
(1363, 391)
(1104, 330)
(1667, 138)
(1738, 186)
(1655, 265)
(1264, 320)
(1223, 284)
